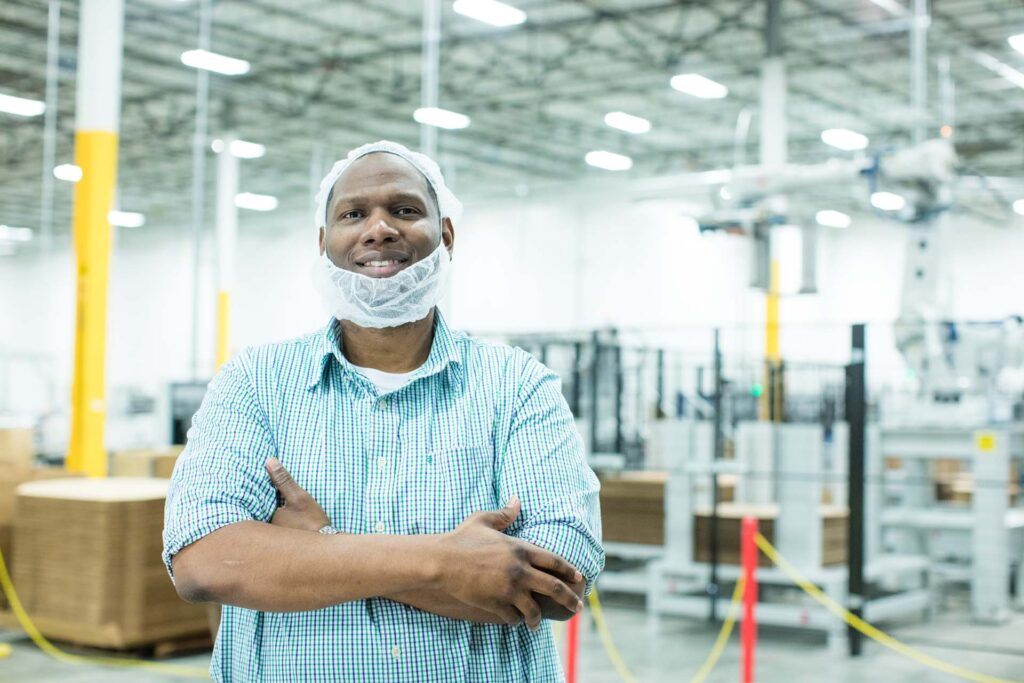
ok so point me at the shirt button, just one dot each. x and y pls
(382, 463)
(396, 652)
(383, 403)
(379, 528)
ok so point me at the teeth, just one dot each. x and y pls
(380, 264)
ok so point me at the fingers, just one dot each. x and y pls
(546, 584)
(499, 520)
(553, 564)
(283, 481)
(507, 614)
(530, 610)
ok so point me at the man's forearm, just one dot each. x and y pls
(274, 569)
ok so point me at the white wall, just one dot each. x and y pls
(519, 266)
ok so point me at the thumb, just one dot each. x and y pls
(283, 481)
(504, 517)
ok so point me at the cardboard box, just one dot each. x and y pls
(145, 462)
(17, 449)
(87, 563)
(633, 507)
(834, 521)
(9, 482)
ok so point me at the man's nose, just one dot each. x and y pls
(379, 229)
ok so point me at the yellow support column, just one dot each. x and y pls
(97, 119)
(227, 236)
(771, 397)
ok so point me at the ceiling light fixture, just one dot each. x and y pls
(10, 233)
(832, 219)
(21, 106)
(68, 172)
(211, 61)
(887, 201)
(1017, 42)
(441, 118)
(609, 161)
(699, 86)
(126, 219)
(846, 140)
(240, 148)
(255, 202)
(1018, 206)
(627, 122)
(490, 12)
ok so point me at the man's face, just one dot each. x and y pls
(382, 218)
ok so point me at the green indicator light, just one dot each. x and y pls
(756, 390)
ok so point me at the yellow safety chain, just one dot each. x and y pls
(709, 662)
(864, 627)
(53, 651)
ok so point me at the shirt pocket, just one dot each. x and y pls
(455, 483)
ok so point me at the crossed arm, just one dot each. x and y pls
(475, 573)
(219, 550)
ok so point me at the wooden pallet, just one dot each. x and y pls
(162, 648)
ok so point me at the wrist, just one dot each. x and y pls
(429, 560)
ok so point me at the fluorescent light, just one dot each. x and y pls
(1018, 206)
(11, 234)
(1017, 42)
(887, 201)
(211, 61)
(68, 172)
(609, 161)
(240, 148)
(627, 122)
(442, 118)
(490, 12)
(126, 219)
(20, 106)
(699, 86)
(832, 219)
(255, 202)
(844, 139)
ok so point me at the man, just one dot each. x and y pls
(437, 507)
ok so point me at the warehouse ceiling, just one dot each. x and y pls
(330, 74)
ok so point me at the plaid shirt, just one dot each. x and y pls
(477, 424)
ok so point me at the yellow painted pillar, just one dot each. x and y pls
(97, 121)
(227, 236)
(772, 348)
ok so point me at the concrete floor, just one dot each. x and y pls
(676, 651)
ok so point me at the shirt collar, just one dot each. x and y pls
(444, 352)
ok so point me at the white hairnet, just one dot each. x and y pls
(449, 206)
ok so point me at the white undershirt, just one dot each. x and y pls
(386, 381)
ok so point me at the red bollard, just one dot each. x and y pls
(572, 636)
(748, 627)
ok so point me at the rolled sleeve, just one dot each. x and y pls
(220, 479)
(544, 465)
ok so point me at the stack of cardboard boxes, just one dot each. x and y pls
(145, 462)
(730, 515)
(87, 566)
(17, 465)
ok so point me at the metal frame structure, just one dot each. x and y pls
(329, 74)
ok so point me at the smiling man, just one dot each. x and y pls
(436, 509)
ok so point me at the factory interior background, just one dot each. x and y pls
(771, 247)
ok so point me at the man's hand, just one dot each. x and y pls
(484, 568)
(297, 509)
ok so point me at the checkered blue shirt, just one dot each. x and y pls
(477, 424)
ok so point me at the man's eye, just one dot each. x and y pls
(349, 215)
(407, 211)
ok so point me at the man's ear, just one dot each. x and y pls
(448, 234)
(323, 240)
